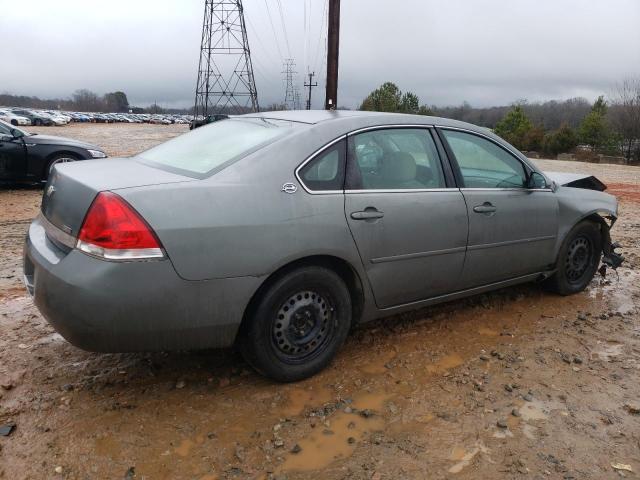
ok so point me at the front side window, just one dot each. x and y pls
(483, 164)
(394, 159)
(326, 171)
(210, 147)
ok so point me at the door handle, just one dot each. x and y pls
(367, 214)
(486, 208)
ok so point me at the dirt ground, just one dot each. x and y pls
(519, 383)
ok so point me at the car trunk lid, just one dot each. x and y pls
(72, 187)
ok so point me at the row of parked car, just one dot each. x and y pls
(19, 116)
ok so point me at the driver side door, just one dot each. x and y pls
(512, 228)
(13, 156)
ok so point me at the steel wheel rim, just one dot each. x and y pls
(60, 160)
(578, 258)
(302, 326)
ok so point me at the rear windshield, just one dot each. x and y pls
(209, 148)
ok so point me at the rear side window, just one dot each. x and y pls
(394, 159)
(326, 171)
(208, 148)
(483, 164)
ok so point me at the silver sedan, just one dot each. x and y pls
(277, 232)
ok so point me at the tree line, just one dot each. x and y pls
(82, 100)
(610, 125)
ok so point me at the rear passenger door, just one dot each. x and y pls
(512, 228)
(407, 218)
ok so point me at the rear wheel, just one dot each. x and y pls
(297, 325)
(578, 259)
(14, 122)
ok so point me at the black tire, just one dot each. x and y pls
(14, 123)
(59, 158)
(578, 259)
(297, 325)
(37, 122)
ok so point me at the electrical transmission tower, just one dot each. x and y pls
(225, 72)
(296, 99)
(290, 91)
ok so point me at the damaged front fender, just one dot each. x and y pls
(580, 203)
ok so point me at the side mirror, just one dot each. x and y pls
(537, 181)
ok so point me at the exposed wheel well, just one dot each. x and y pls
(337, 265)
(596, 219)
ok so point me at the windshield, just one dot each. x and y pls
(210, 147)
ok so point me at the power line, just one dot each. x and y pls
(306, 33)
(284, 27)
(264, 50)
(273, 28)
(323, 33)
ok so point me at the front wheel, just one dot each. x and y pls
(578, 259)
(297, 325)
(62, 158)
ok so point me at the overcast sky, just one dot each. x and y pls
(487, 52)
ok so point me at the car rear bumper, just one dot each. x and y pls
(107, 306)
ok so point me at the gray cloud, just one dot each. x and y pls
(483, 51)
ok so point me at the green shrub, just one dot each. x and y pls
(562, 140)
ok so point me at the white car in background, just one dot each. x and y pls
(13, 119)
(55, 118)
(61, 115)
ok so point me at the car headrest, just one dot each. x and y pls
(399, 167)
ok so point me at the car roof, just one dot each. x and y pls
(365, 118)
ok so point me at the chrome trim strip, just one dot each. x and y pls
(408, 190)
(510, 189)
(511, 242)
(409, 256)
(117, 254)
(421, 126)
(56, 233)
(385, 127)
(311, 157)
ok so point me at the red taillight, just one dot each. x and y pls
(112, 229)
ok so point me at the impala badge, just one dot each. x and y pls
(51, 190)
(289, 188)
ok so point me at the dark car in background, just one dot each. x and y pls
(36, 118)
(29, 157)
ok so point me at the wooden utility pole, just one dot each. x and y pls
(333, 48)
(310, 85)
